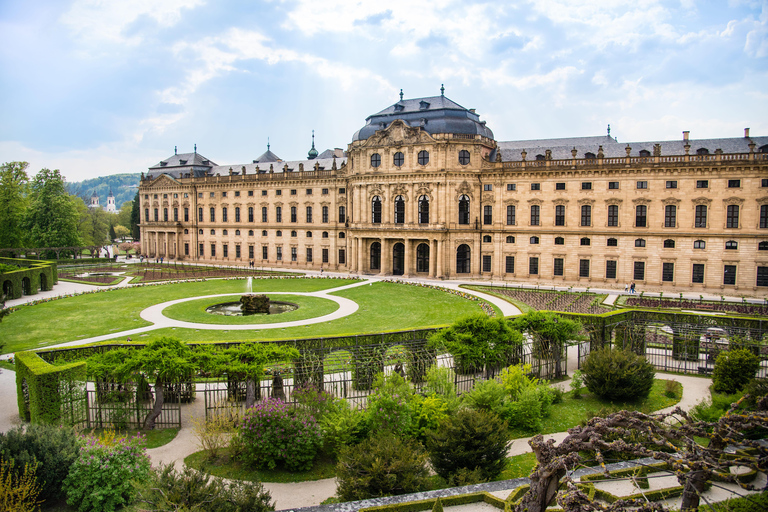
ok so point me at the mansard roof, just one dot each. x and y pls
(434, 114)
(267, 156)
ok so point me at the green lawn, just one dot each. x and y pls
(226, 467)
(194, 310)
(383, 307)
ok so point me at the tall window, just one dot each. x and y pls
(558, 267)
(294, 254)
(342, 256)
(700, 219)
(199, 215)
(309, 255)
(325, 254)
(533, 265)
(342, 213)
(213, 214)
(613, 215)
(764, 216)
(279, 253)
(535, 212)
(399, 210)
(376, 210)
(175, 214)
(510, 215)
(237, 214)
(586, 215)
(732, 216)
(186, 214)
(464, 209)
(278, 214)
(583, 268)
(165, 214)
(670, 216)
(423, 210)
(610, 269)
(309, 214)
(462, 259)
(641, 216)
(422, 258)
(697, 275)
(509, 264)
(487, 214)
(639, 271)
(325, 214)
(250, 214)
(224, 214)
(263, 214)
(560, 215)
(668, 272)
(729, 274)
(213, 250)
(294, 214)
(264, 252)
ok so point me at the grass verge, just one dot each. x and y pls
(227, 467)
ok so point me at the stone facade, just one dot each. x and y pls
(411, 199)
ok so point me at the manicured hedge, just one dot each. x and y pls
(47, 393)
(447, 501)
(32, 269)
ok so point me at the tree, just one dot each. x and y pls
(93, 224)
(52, 218)
(550, 333)
(478, 342)
(124, 216)
(13, 199)
(120, 231)
(135, 217)
(112, 234)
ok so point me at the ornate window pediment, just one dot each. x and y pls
(733, 200)
(670, 201)
(701, 200)
(586, 202)
(615, 201)
(535, 201)
(488, 198)
(762, 200)
(512, 202)
(641, 200)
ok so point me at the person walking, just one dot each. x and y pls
(626, 288)
(632, 289)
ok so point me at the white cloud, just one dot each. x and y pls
(104, 21)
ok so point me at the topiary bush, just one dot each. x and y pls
(618, 375)
(272, 434)
(381, 466)
(195, 491)
(733, 370)
(467, 441)
(52, 449)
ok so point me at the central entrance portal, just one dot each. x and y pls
(398, 259)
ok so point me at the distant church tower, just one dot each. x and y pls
(94, 200)
(111, 203)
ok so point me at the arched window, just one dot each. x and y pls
(486, 239)
(398, 159)
(669, 244)
(309, 234)
(250, 232)
(237, 214)
(510, 239)
(559, 240)
(342, 235)
(585, 241)
(423, 157)
(325, 234)
(199, 231)
(639, 242)
(423, 210)
(534, 240)
(264, 233)
(535, 211)
(294, 234)
(375, 160)
(279, 233)
(237, 232)
(186, 231)
(641, 216)
(731, 245)
(612, 242)
(464, 209)
(375, 256)
(376, 210)
(463, 157)
(462, 259)
(422, 258)
(250, 214)
(399, 210)
(213, 231)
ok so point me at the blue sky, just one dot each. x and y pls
(96, 87)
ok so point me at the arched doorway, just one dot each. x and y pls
(26, 286)
(43, 282)
(398, 259)
(8, 289)
(375, 256)
(422, 258)
(462, 259)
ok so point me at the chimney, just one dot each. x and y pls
(746, 133)
(686, 134)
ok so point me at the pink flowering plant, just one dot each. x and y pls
(271, 434)
(103, 476)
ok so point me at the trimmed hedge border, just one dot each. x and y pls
(48, 393)
(447, 501)
(34, 270)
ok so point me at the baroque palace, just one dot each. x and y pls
(425, 190)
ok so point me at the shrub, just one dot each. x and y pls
(670, 388)
(317, 403)
(469, 440)
(517, 378)
(733, 370)
(381, 466)
(389, 406)
(427, 413)
(342, 427)
(618, 375)
(103, 476)
(51, 449)
(196, 491)
(577, 382)
(271, 433)
(18, 489)
(528, 411)
(756, 389)
(486, 396)
(213, 432)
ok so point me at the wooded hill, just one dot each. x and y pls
(123, 186)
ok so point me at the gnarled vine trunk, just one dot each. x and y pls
(157, 407)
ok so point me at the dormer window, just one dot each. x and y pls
(702, 151)
(590, 156)
(539, 157)
(182, 162)
(163, 164)
(423, 105)
(645, 152)
(399, 107)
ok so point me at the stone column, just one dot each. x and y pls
(360, 255)
(439, 256)
(432, 257)
(157, 244)
(385, 257)
(408, 265)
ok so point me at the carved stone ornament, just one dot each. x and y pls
(586, 201)
(762, 200)
(488, 198)
(613, 201)
(535, 201)
(510, 202)
(641, 200)
(461, 241)
(703, 200)
(464, 189)
(398, 133)
(670, 200)
(733, 200)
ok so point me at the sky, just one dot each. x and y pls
(98, 87)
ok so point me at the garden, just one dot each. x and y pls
(413, 431)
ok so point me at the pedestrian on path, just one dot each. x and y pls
(632, 289)
(626, 288)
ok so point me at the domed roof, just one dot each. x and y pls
(312, 152)
(436, 114)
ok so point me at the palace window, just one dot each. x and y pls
(613, 215)
(278, 214)
(559, 240)
(699, 244)
(762, 276)
(731, 245)
(264, 232)
(250, 214)
(510, 215)
(510, 239)
(325, 255)
(165, 214)
(513, 186)
(263, 214)
(672, 184)
(586, 215)
(237, 214)
(669, 243)
(560, 215)
(342, 256)
(294, 234)
(464, 157)
(700, 218)
(462, 259)
(225, 250)
(639, 242)
(702, 183)
(612, 242)
(670, 216)
(294, 214)
(342, 235)
(376, 210)
(558, 270)
(535, 211)
(309, 255)
(613, 185)
(639, 273)
(294, 254)
(533, 265)
(398, 159)
(342, 213)
(509, 264)
(729, 274)
(186, 214)
(486, 262)
(375, 160)
(762, 246)
(583, 268)
(176, 215)
(213, 249)
(641, 216)
(309, 214)
(308, 234)
(668, 272)
(325, 234)
(488, 187)
(293, 192)
(486, 239)
(642, 184)
(264, 251)
(157, 215)
(586, 185)
(200, 215)
(734, 183)
(610, 269)
(423, 210)
(560, 186)
(212, 214)
(423, 158)
(732, 216)
(279, 253)
(325, 214)
(535, 186)
(464, 209)
(764, 216)
(585, 241)
(534, 240)
(487, 214)
(224, 214)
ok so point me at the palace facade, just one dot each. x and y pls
(424, 189)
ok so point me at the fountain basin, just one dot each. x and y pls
(236, 308)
